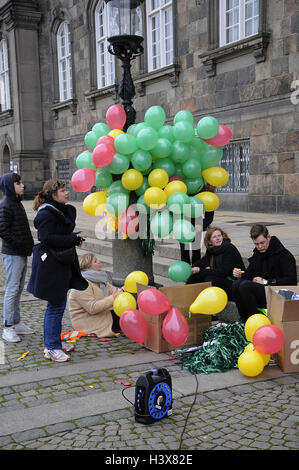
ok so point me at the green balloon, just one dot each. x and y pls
(90, 140)
(166, 132)
(211, 157)
(180, 151)
(192, 168)
(131, 129)
(103, 178)
(183, 131)
(194, 185)
(100, 129)
(195, 209)
(125, 144)
(162, 149)
(162, 224)
(179, 271)
(117, 203)
(141, 160)
(165, 164)
(84, 160)
(207, 127)
(183, 231)
(179, 171)
(117, 187)
(155, 117)
(147, 138)
(140, 191)
(139, 127)
(141, 205)
(119, 164)
(177, 201)
(184, 115)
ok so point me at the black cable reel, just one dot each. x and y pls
(153, 396)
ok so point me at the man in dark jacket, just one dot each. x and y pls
(17, 244)
(271, 265)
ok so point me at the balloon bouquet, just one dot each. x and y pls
(165, 165)
(264, 339)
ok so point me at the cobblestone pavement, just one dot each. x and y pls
(257, 415)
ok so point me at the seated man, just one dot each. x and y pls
(271, 265)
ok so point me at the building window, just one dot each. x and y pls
(4, 77)
(238, 19)
(159, 33)
(64, 56)
(105, 60)
(63, 172)
(235, 161)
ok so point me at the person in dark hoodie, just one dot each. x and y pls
(271, 265)
(217, 264)
(17, 244)
(52, 276)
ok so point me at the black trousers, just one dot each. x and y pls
(249, 296)
(185, 255)
(222, 282)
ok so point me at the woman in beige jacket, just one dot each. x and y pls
(90, 310)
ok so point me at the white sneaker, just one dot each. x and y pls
(56, 355)
(65, 349)
(22, 329)
(9, 334)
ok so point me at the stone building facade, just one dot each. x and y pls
(250, 84)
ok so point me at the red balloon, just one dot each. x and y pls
(153, 302)
(128, 222)
(134, 325)
(116, 117)
(268, 339)
(83, 179)
(222, 137)
(102, 155)
(174, 178)
(175, 327)
(106, 139)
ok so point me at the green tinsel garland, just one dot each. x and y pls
(223, 344)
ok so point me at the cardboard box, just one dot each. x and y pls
(285, 314)
(180, 297)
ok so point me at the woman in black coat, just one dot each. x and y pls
(219, 261)
(51, 278)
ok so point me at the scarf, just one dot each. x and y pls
(99, 277)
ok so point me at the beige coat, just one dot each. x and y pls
(90, 310)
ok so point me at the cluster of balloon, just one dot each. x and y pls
(264, 339)
(175, 328)
(166, 165)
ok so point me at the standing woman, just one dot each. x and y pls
(55, 266)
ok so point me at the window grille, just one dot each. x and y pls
(4, 77)
(105, 60)
(235, 161)
(238, 20)
(64, 62)
(159, 33)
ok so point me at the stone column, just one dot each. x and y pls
(21, 19)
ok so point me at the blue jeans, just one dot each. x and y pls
(15, 267)
(52, 325)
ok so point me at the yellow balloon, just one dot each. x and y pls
(132, 278)
(123, 302)
(132, 179)
(253, 323)
(266, 357)
(175, 186)
(250, 363)
(215, 176)
(210, 200)
(209, 301)
(111, 220)
(115, 133)
(155, 197)
(94, 202)
(158, 178)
